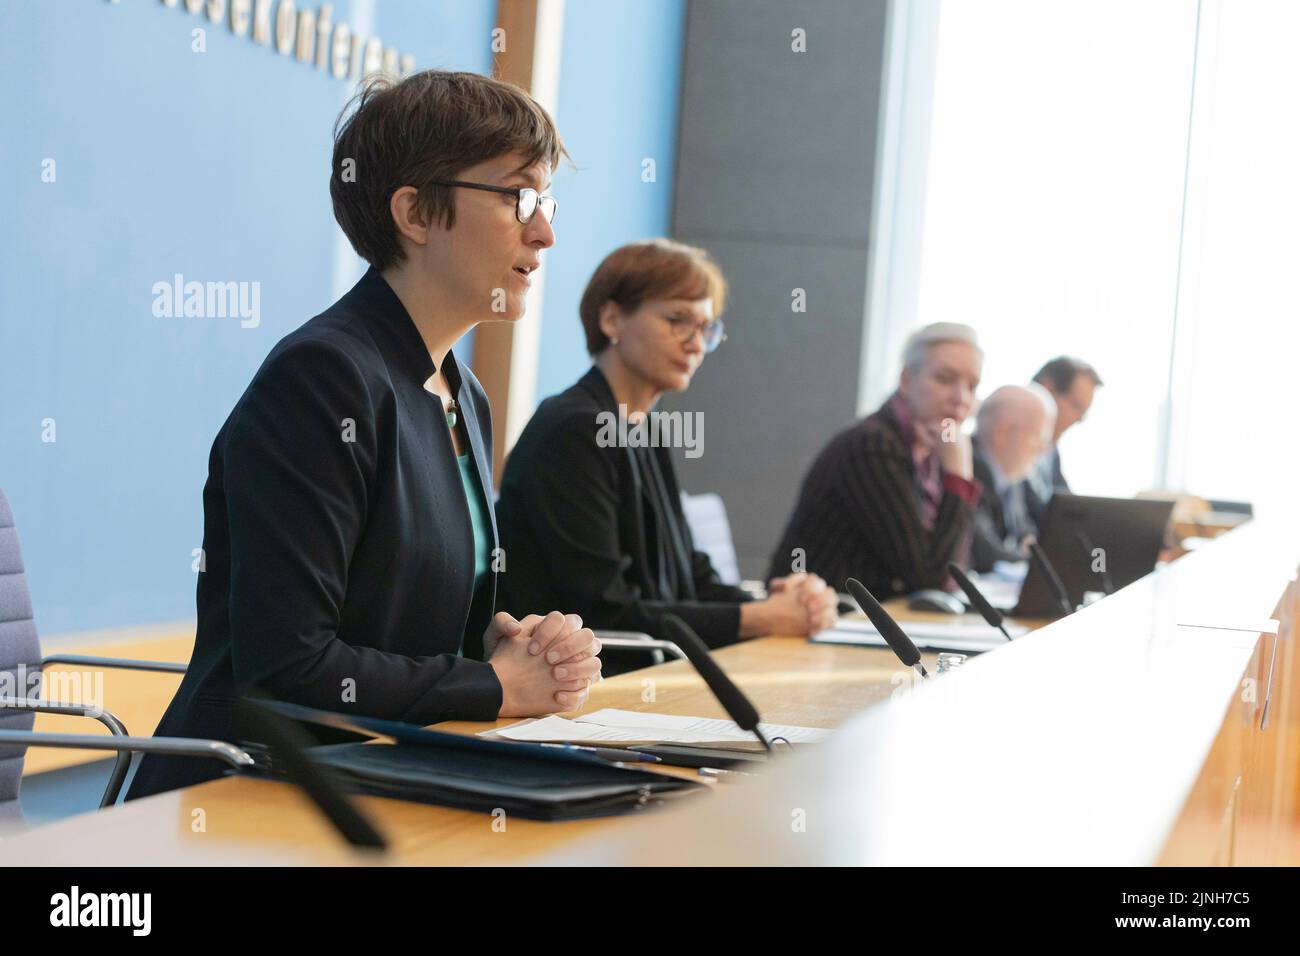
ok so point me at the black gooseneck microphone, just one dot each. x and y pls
(898, 642)
(289, 743)
(738, 707)
(992, 616)
(1039, 557)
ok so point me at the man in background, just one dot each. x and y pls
(1071, 382)
(1014, 430)
(891, 499)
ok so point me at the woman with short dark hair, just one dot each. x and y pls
(348, 532)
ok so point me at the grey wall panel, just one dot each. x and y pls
(776, 165)
(777, 142)
(779, 387)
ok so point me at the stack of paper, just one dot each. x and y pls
(929, 635)
(618, 728)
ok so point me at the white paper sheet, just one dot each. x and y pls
(610, 726)
(928, 635)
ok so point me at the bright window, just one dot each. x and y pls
(1121, 181)
(1054, 202)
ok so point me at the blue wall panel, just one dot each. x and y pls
(620, 81)
(214, 165)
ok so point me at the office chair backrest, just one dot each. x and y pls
(19, 648)
(707, 517)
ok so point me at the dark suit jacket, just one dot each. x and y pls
(859, 515)
(996, 535)
(1040, 487)
(337, 537)
(600, 530)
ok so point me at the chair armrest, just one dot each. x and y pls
(165, 667)
(638, 641)
(173, 746)
(31, 705)
(176, 747)
(116, 729)
(125, 746)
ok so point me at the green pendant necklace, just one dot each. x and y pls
(451, 414)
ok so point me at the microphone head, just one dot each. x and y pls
(289, 744)
(992, 616)
(738, 707)
(898, 642)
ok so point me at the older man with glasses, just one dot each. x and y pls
(1071, 382)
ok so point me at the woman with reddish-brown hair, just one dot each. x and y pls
(590, 509)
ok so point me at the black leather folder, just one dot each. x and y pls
(525, 780)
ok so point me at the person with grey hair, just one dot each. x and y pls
(1013, 430)
(891, 499)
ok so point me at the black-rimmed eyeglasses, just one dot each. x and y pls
(527, 199)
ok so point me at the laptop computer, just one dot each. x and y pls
(1095, 544)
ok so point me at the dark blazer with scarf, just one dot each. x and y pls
(859, 515)
(338, 545)
(581, 529)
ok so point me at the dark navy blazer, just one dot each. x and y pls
(339, 553)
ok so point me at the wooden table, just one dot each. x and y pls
(243, 820)
(139, 699)
(1118, 735)
(1121, 735)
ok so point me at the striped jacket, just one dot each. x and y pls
(859, 515)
